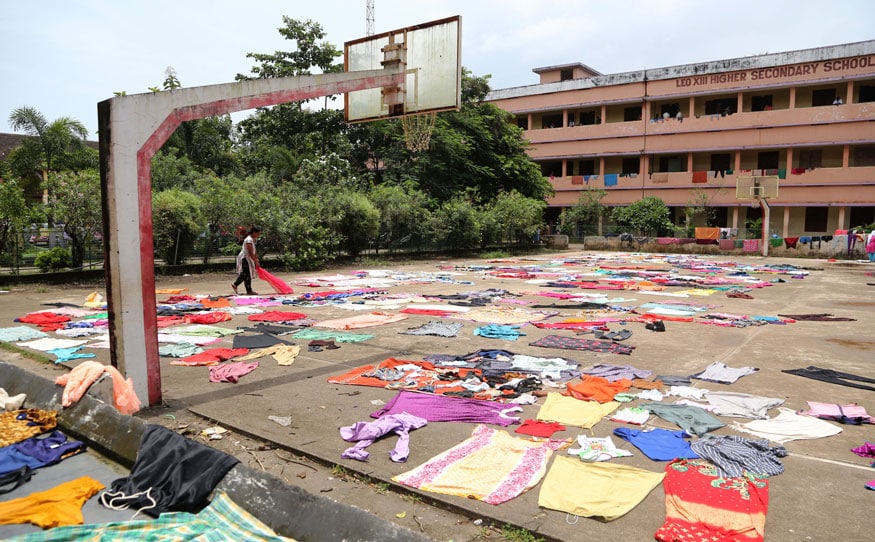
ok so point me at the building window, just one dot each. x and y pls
(810, 159)
(723, 106)
(768, 160)
(551, 169)
(815, 219)
(587, 117)
(566, 75)
(586, 167)
(523, 122)
(761, 103)
(862, 216)
(670, 164)
(632, 114)
(721, 162)
(824, 96)
(631, 165)
(671, 109)
(551, 121)
(867, 94)
(863, 157)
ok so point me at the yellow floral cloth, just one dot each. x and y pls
(571, 411)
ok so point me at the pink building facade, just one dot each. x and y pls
(688, 132)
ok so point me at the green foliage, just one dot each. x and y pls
(356, 219)
(329, 172)
(518, 534)
(75, 202)
(582, 217)
(456, 224)
(15, 215)
(403, 214)
(53, 260)
(697, 206)
(176, 220)
(54, 138)
(172, 171)
(517, 216)
(647, 216)
(311, 52)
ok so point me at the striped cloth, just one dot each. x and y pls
(733, 456)
(222, 520)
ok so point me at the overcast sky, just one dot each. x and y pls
(64, 56)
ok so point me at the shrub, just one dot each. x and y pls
(53, 260)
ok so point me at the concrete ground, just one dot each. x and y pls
(821, 496)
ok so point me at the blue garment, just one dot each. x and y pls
(659, 444)
(67, 354)
(496, 331)
(37, 452)
(611, 179)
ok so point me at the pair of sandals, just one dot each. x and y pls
(621, 335)
(656, 325)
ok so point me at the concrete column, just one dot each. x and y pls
(735, 217)
(789, 160)
(564, 117)
(850, 93)
(564, 168)
(692, 112)
(737, 166)
(602, 168)
(690, 162)
(740, 105)
(786, 230)
(792, 98)
(842, 225)
(846, 156)
(604, 114)
(530, 118)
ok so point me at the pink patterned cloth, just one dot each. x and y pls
(491, 466)
(231, 372)
(751, 245)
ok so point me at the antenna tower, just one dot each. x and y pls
(369, 17)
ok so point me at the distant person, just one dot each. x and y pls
(838, 101)
(666, 116)
(870, 246)
(679, 117)
(247, 261)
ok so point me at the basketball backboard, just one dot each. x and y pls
(429, 54)
(756, 187)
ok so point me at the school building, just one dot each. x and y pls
(689, 133)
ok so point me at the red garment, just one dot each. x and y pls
(570, 325)
(699, 505)
(427, 312)
(279, 285)
(700, 176)
(40, 318)
(276, 316)
(212, 356)
(596, 388)
(172, 300)
(538, 428)
(207, 318)
(167, 321)
(218, 303)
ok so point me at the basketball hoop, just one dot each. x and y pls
(417, 130)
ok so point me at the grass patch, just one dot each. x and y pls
(25, 353)
(494, 255)
(381, 488)
(518, 534)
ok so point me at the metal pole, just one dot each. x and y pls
(765, 207)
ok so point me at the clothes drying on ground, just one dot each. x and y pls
(702, 505)
(178, 473)
(538, 428)
(231, 372)
(503, 315)
(720, 372)
(833, 377)
(787, 426)
(865, 450)
(596, 449)
(691, 419)
(491, 466)
(365, 433)
(339, 336)
(46, 344)
(658, 444)
(633, 415)
(276, 316)
(172, 338)
(202, 330)
(571, 411)
(211, 356)
(852, 413)
(283, 354)
(38, 451)
(498, 331)
(688, 392)
(594, 388)
(362, 321)
(822, 317)
(60, 505)
(207, 318)
(574, 343)
(406, 374)
(733, 456)
(222, 519)
(617, 372)
(20, 333)
(11, 402)
(68, 354)
(179, 350)
(77, 382)
(258, 340)
(741, 405)
(19, 425)
(279, 285)
(605, 491)
(435, 327)
(440, 408)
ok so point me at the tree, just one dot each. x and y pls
(53, 138)
(582, 217)
(15, 215)
(75, 202)
(311, 51)
(176, 220)
(695, 207)
(647, 216)
(517, 216)
(356, 219)
(403, 213)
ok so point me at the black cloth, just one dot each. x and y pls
(262, 340)
(821, 317)
(178, 473)
(833, 377)
(273, 329)
(245, 277)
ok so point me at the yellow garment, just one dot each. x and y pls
(35, 422)
(284, 354)
(603, 490)
(61, 505)
(170, 290)
(571, 411)
(94, 300)
(696, 291)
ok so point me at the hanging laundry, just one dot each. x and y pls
(490, 466)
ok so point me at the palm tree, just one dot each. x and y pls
(52, 138)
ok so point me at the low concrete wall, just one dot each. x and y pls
(289, 510)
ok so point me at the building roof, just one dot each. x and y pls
(686, 70)
(583, 67)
